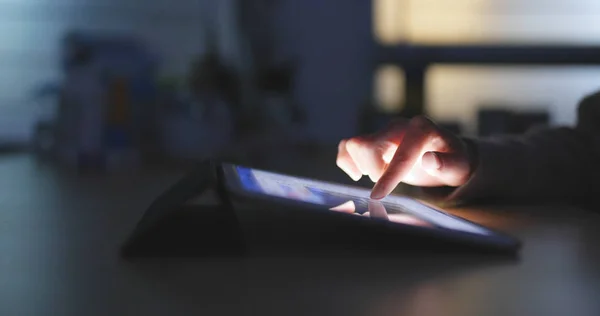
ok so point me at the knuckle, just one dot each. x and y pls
(439, 142)
(355, 143)
(383, 147)
(421, 122)
(392, 130)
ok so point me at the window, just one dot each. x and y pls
(389, 21)
(456, 92)
(389, 88)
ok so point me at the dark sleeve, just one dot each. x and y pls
(556, 164)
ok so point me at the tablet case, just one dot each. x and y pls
(173, 227)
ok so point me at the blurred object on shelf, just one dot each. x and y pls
(196, 118)
(498, 120)
(282, 113)
(105, 111)
(273, 71)
(525, 121)
(46, 99)
(494, 121)
(199, 115)
(118, 54)
(278, 82)
(44, 139)
(210, 78)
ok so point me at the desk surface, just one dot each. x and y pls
(59, 235)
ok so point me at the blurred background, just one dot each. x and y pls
(116, 82)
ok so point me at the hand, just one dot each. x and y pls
(416, 151)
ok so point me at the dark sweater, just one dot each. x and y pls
(558, 164)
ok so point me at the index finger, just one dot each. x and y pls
(407, 154)
(377, 210)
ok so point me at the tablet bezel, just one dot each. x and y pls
(494, 239)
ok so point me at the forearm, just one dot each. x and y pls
(552, 164)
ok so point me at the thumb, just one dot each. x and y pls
(452, 169)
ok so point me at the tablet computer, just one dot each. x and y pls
(399, 213)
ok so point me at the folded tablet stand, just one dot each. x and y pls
(174, 227)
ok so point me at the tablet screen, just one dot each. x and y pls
(341, 198)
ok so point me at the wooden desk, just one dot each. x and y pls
(59, 236)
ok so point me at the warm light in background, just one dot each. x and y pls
(435, 21)
(389, 88)
(389, 21)
(476, 21)
(455, 93)
(396, 21)
(516, 21)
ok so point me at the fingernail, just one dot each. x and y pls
(431, 161)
